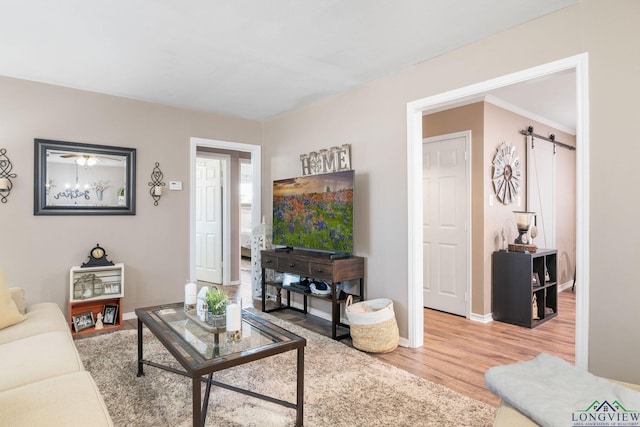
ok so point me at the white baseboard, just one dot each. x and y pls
(313, 311)
(482, 318)
(129, 316)
(565, 285)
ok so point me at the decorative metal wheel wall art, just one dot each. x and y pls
(506, 173)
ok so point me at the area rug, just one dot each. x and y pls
(343, 387)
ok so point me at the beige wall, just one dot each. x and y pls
(37, 251)
(372, 118)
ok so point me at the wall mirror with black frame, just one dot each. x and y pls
(72, 178)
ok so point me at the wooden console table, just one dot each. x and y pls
(318, 266)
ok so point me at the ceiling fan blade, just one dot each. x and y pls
(107, 157)
(67, 155)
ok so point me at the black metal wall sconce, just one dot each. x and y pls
(156, 184)
(5, 176)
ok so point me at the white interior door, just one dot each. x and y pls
(445, 223)
(209, 220)
(541, 190)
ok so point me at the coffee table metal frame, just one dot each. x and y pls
(200, 368)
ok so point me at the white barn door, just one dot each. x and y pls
(541, 190)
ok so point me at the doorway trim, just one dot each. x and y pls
(225, 211)
(415, 110)
(255, 151)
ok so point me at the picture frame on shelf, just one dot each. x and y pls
(535, 280)
(110, 314)
(83, 321)
(111, 288)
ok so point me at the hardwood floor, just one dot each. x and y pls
(458, 351)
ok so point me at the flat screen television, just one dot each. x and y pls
(314, 212)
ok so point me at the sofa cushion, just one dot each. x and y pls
(66, 400)
(41, 317)
(9, 314)
(17, 294)
(36, 358)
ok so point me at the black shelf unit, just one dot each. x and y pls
(513, 287)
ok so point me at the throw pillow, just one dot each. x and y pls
(9, 314)
(17, 294)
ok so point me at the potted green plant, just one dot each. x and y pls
(121, 200)
(217, 300)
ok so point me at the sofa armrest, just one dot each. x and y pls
(508, 416)
(17, 294)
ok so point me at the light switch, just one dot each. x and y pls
(492, 199)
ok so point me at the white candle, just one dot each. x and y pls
(234, 317)
(522, 219)
(190, 291)
(157, 190)
(4, 183)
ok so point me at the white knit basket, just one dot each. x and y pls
(373, 325)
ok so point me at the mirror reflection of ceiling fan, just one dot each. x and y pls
(83, 159)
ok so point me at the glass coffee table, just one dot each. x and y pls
(203, 350)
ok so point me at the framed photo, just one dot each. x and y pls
(535, 280)
(83, 321)
(110, 314)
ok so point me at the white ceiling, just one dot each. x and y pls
(247, 58)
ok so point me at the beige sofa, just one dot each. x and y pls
(508, 416)
(42, 379)
(550, 384)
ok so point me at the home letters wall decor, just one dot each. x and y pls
(334, 159)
